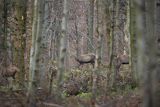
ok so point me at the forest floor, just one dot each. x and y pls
(125, 94)
(17, 99)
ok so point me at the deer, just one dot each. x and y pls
(120, 60)
(10, 71)
(6, 73)
(85, 59)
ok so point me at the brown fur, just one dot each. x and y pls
(10, 71)
(121, 59)
(86, 58)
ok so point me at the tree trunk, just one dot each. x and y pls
(4, 37)
(113, 41)
(152, 52)
(133, 50)
(62, 50)
(34, 74)
(21, 10)
(147, 17)
(77, 38)
(156, 73)
(90, 25)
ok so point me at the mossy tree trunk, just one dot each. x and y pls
(3, 31)
(108, 36)
(34, 73)
(58, 4)
(90, 25)
(1, 22)
(62, 55)
(151, 64)
(147, 23)
(98, 50)
(99, 29)
(21, 15)
(77, 38)
(154, 10)
(113, 40)
(133, 41)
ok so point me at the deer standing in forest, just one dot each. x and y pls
(85, 59)
(121, 59)
(10, 71)
(7, 72)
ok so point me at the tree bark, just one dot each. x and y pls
(21, 10)
(62, 56)
(113, 41)
(90, 25)
(133, 41)
(34, 74)
(4, 35)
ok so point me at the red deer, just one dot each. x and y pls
(10, 71)
(121, 59)
(86, 58)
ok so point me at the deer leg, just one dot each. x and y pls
(13, 76)
(92, 64)
(79, 65)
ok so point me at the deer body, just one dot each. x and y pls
(10, 72)
(121, 59)
(86, 58)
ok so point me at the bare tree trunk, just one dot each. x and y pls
(62, 50)
(152, 52)
(21, 10)
(98, 52)
(99, 30)
(140, 32)
(133, 41)
(156, 73)
(34, 74)
(147, 17)
(111, 56)
(1, 27)
(5, 23)
(90, 25)
(77, 38)
(113, 41)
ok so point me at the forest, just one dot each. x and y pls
(79, 53)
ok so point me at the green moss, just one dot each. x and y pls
(64, 94)
(122, 90)
(85, 95)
